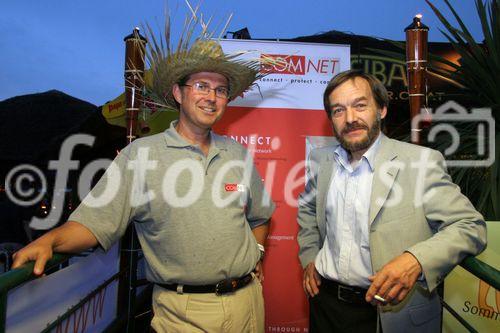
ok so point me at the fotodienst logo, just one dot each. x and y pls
(474, 130)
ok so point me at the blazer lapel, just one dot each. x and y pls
(327, 169)
(386, 170)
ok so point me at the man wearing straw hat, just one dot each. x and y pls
(199, 205)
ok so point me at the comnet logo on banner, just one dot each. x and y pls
(298, 76)
(300, 65)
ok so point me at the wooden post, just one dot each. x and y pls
(416, 63)
(129, 245)
(134, 80)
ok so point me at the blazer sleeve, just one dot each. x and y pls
(308, 236)
(459, 229)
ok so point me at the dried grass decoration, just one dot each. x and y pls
(168, 66)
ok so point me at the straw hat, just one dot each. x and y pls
(203, 56)
(169, 67)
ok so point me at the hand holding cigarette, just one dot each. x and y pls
(394, 280)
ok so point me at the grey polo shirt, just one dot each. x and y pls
(193, 213)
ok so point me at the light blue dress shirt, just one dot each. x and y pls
(345, 255)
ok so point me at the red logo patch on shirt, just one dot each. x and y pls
(231, 187)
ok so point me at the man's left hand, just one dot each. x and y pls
(395, 279)
(258, 271)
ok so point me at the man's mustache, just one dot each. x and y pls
(353, 127)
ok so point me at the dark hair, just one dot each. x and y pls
(379, 91)
(181, 82)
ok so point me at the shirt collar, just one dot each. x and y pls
(342, 156)
(174, 139)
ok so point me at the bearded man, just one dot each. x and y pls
(380, 222)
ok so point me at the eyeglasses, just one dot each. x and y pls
(204, 89)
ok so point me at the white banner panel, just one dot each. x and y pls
(298, 77)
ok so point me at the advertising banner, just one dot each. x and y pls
(473, 299)
(278, 120)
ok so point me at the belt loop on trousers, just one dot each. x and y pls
(180, 288)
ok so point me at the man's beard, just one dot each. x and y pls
(370, 137)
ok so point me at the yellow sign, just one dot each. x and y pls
(114, 111)
(151, 120)
(471, 298)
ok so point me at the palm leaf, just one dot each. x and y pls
(479, 72)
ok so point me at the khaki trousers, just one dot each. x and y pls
(238, 312)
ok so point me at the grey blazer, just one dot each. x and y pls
(414, 207)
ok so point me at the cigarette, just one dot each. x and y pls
(380, 299)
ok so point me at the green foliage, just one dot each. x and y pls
(479, 64)
(478, 72)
